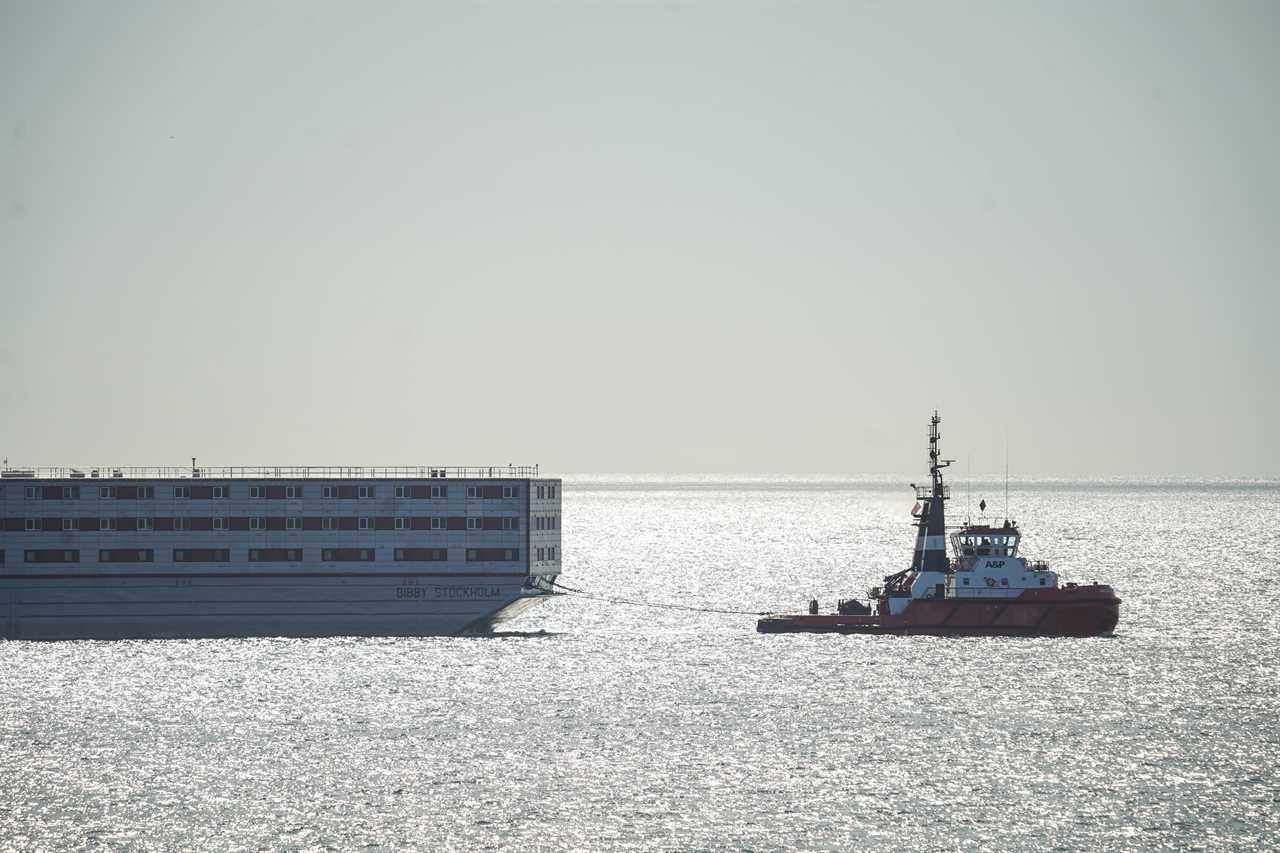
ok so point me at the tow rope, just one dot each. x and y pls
(631, 602)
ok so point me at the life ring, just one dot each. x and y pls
(990, 581)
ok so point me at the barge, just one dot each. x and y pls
(121, 553)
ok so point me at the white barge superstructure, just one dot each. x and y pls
(114, 553)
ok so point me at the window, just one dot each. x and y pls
(966, 581)
(202, 555)
(473, 524)
(473, 491)
(219, 523)
(363, 523)
(182, 524)
(400, 492)
(367, 491)
(292, 492)
(269, 555)
(552, 549)
(328, 524)
(106, 524)
(182, 491)
(146, 491)
(510, 524)
(402, 524)
(552, 490)
(106, 491)
(331, 555)
(1004, 581)
(126, 555)
(257, 522)
(146, 524)
(508, 491)
(50, 555)
(329, 492)
(430, 555)
(437, 523)
(33, 493)
(70, 524)
(31, 525)
(218, 493)
(438, 491)
(70, 492)
(255, 491)
(293, 524)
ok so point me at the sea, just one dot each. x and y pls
(637, 719)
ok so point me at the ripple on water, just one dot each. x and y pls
(637, 728)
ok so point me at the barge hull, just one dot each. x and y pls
(249, 604)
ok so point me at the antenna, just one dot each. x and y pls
(1006, 473)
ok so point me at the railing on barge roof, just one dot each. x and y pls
(275, 472)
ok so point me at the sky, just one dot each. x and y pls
(642, 237)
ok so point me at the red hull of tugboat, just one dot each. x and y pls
(1077, 611)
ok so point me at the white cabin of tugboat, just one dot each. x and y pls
(987, 564)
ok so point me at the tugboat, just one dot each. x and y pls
(986, 590)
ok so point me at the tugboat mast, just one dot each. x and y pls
(931, 529)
